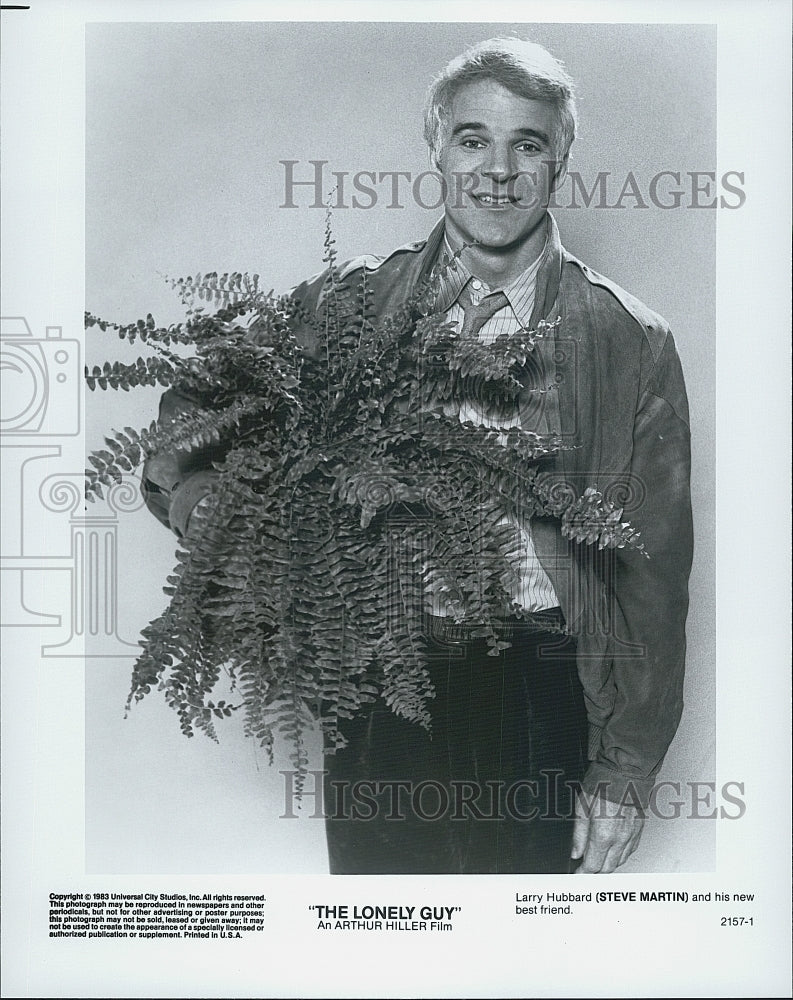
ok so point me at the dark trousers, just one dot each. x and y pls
(487, 791)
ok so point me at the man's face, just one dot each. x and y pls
(497, 162)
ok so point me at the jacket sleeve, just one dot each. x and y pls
(173, 483)
(650, 596)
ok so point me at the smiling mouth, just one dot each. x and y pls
(495, 200)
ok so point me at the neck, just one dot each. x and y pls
(499, 266)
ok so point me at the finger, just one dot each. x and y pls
(632, 842)
(580, 834)
(595, 853)
(630, 847)
(606, 843)
(612, 859)
(582, 810)
(627, 850)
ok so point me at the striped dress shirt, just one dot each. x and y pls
(535, 591)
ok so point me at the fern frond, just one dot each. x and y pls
(348, 502)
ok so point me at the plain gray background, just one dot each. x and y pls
(186, 125)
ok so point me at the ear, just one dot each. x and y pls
(560, 171)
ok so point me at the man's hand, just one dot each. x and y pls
(607, 837)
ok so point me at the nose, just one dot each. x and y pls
(499, 164)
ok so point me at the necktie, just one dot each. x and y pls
(477, 315)
(477, 402)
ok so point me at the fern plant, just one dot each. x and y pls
(349, 499)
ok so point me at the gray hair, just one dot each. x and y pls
(523, 67)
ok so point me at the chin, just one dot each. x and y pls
(499, 238)
(494, 232)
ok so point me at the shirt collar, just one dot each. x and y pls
(521, 293)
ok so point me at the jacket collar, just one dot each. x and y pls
(548, 275)
(520, 293)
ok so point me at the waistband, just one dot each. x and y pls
(447, 631)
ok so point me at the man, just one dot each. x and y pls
(507, 747)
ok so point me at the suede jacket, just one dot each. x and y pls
(620, 405)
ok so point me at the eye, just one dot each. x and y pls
(472, 143)
(528, 146)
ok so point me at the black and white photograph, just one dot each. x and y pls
(398, 543)
(383, 500)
